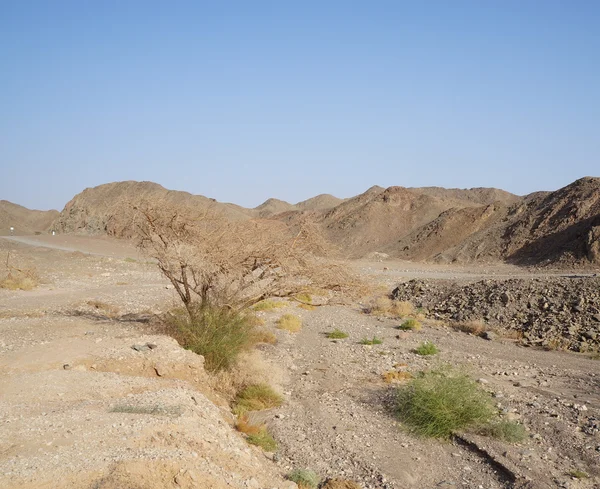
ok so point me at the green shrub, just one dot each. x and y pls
(440, 402)
(372, 341)
(410, 324)
(263, 439)
(257, 397)
(505, 430)
(426, 348)
(337, 334)
(306, 479)
(578, 474)
(218, 334)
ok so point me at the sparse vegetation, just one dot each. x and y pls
(336, 334)
(384, 306)
(396, 376)
(508, 431)
(410, 324)
(578, 474)
(265, 336)
(153, 410)
(307, 307)
(289, 322)
(372, 341)
(474, 327)
(340, 484)
(256, 398)
(304, 297)
(243, 425)
(108, 309)
(19, 278)
(263, 439)
(426, 348)
(439, 402)
(306, 479)
(218, 334)
(269, 305)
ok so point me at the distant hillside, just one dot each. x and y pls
(430, 223)
(106, 209)
(25, 221)
(542, 228)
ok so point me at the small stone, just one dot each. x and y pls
(596, 317)
(483, 381)
(489, 335)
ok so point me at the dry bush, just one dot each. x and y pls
(384, 306)
(290, 323)
(243, 425)
(265, 336)
(340, 484)
(213, 261)
(474, 327)
(19, 278)
(394, 376)
(256, 397)
(307, 307)
(108, 309)
(269, 305)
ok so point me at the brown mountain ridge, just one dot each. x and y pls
(420, 224)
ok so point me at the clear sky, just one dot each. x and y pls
(242, 101)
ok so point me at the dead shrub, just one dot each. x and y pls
(475, 327)
(384, 306)
(19, 278)
(395, 376)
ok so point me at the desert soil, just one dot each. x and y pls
(81, 408)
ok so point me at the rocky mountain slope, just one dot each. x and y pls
(429, 223)
(25, 221)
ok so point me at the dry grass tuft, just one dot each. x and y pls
(307, 307)
(411, 324)
(265, 336)
(256, 397)
(269, 305)
(384, 306)
(474, 327)
(394, 376)
(289, 322)
(243, 425)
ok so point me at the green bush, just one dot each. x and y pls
(263, 439)
(410, 324)
(337, 334)
(426, 348)
(218, 334)
(505, 430)
(440, 402)
(257, 397)
(306, 479)
(372, 341)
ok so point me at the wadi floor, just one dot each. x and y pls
(79, 407)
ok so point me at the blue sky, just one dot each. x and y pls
(242, 101)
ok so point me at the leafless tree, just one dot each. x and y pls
(214, 261)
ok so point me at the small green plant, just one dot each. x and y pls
(426, 348)
(410, 324)
(269, 305)
(439, 402)
(578, 474)
(508, 431)
(372, 341)
(290, 323)
(153, 410)
(256, 397)
(263, 439)
(220, 335)
(336, 334)
(306, 479)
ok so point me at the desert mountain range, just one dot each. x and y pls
(561, 228)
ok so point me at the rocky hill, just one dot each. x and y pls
(25, 221)
(561, 227)
(429, 223)
(106, 209)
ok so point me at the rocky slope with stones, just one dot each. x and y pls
(558, 313)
